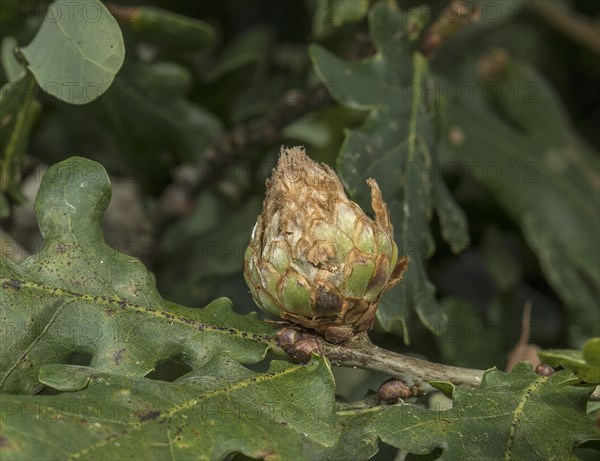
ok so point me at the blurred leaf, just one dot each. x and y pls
(196, 257)
(253, 73)
(150, 113)
(520, 415)
(77, 52)
(252, 47)
(160, 80)
(78, 295)
(241, 83)
(513, 134)
(312, 130)
(323, 131)
(13, 69)
(330, 14)
(585, 363)
(219, 409)
(395, 145)
(501, 259)
(465, 337)
(4, 206)
(166, 29)
(591, 352)
(203, 219)
(20, 110)
(499, 18)
(592, 407)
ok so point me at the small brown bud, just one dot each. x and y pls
(306, 347)
(299, 344)
(392, 390)
(287, 338)
(544, 370)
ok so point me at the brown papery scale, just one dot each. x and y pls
(315, 258)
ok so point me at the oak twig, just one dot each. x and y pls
(361, 352)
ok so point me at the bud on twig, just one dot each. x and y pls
(393, 390)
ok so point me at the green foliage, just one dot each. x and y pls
(19, 112)
(215, 235)
(331, 14)
(74, 56)
(154, 97)
(400, 131)
(585, 363)
(78, 295)
(12, 67)
(218, 409)
(524, 150)
(519, 415)
(77, 52)
(169, 30)
(461, 344)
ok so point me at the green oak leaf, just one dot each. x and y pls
(513, 416)
(219, 409)
(395, 145)
(77, 52)
(355, 424)
(585, 363)
(78, 295)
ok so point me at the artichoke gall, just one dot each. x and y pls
(315, 258)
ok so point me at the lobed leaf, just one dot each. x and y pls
(220, 409)
(520, 415)
(78, 295)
